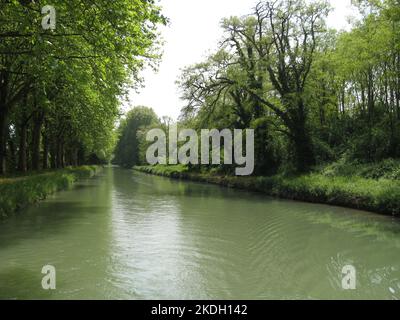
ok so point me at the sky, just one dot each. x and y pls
(193, 33)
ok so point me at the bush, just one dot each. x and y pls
(17, 193)
(381, 196)
(386, 169)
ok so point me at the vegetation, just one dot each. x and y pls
(324, 104)
(18, 192)
(313, 95)
(60, 89)
(131, 147)
(381, 195)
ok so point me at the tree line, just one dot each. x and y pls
(60, 89)
(313, 95)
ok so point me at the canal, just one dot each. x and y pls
(127, 235)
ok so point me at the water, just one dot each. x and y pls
(126, 235)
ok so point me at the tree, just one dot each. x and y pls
(130, 149)
(266, 63)
(67, 82)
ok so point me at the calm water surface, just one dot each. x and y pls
(126, 235)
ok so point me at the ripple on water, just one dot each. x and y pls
(135, 236)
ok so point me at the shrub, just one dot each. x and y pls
(17, 193)
(354, 191)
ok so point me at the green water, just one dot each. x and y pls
(126, 235)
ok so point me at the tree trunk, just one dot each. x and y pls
(74, 156)
(3, 139)
(304, 155)
(22, 163)
(6, 105)
(398, 88)
(53, 155)
(36, 135)
(45, 152)
(60, 154)
(58, 165)
(301, 139)
(4, 110)
(13, 160)
(81, 156)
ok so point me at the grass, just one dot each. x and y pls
(19, 191)
(378, 194)
(386, 169)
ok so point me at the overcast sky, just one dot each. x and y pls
(193, 33)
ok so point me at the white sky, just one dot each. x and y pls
(193, 33)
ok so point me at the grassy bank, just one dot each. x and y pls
(18, 192)
(380, 195)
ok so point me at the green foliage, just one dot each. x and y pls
(131, 147)
(262, 71)
(313, 96)
(365, 65)
(16, 193)
(60, 89)
(387, 169)
(381, 196)
(312, 100)
(165, 170)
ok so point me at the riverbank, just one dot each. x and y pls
(380, 195)
(19, 192)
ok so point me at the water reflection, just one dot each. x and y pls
(134, 236)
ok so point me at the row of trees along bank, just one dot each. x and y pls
(312, 94)
(60, 89)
